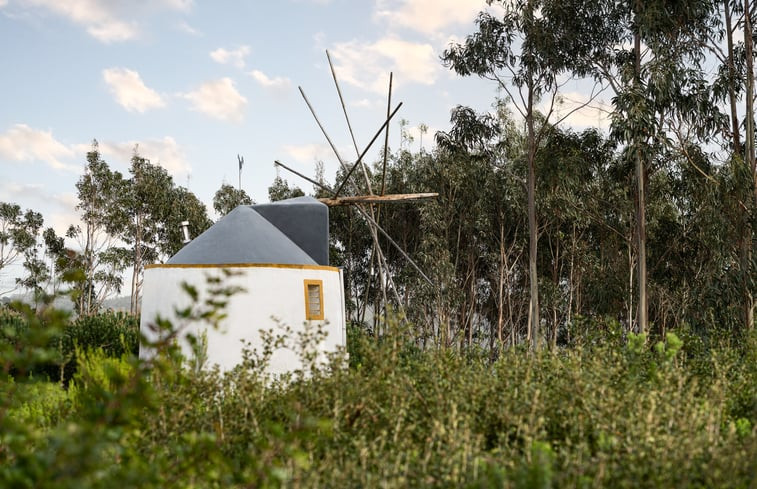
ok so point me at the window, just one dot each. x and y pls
(314, 299)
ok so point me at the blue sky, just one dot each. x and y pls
(195, 83)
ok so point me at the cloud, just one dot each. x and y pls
(130, 92)
(279, 85)
(218, 99)
(36, 195)
(365, 103)
(106, 20)
(3, 3)
(21, 191)
(166, 152)
(99, 18)
(595, 113)
(58, 210)
(234, 57)
(23, 143)
(183, 26)
(367, 66)
(430, 17)
(308, 153)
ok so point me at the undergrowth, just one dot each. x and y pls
(630, 413)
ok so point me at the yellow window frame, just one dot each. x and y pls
(311, 315)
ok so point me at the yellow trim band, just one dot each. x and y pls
(242, 265)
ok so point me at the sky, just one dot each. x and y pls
(193, 84)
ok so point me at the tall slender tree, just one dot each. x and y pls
(100, 191)
(18, 234)
(146, 208)
(751, 163)
(154, 208)
(524, 51)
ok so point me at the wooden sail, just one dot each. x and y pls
(377, 199)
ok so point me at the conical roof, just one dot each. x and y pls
(242, 236)
(304, 220)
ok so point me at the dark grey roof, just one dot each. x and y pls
(305, 221)
(243, 236)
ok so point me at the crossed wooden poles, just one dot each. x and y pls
(364, 203)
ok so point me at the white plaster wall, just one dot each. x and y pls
(271, 294)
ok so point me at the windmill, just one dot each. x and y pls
(365, 203)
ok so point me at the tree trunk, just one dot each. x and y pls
(641, 201)
(736, 134)
(137, 265)
(749, 158)
(501, 282)
(533, 313)
(749, 97)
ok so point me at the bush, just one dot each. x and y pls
(628, 415)
(115, 333)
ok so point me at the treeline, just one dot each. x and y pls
(651, 225)
(126, 222)
(473, 243)
(537, 228)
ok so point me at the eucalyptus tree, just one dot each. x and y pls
(663, 81)
(525, 51)
(280, 190)
(100, 191)
(649, 53)
(227, 198)
(747, 241)
(480, 177)
(37, 273)
(145, 205)
(55, 250)
(183, 206)
(18, 233)
(152, 208)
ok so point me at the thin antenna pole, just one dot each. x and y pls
(240, 159)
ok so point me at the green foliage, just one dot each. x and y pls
(280, 190)
(227, 198)
(42, 404)
(18, 238)
(594, 415)
(114, 333)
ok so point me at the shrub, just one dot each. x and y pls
(115, 333)
(630, 415)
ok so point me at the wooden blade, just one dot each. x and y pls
(377, 199)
